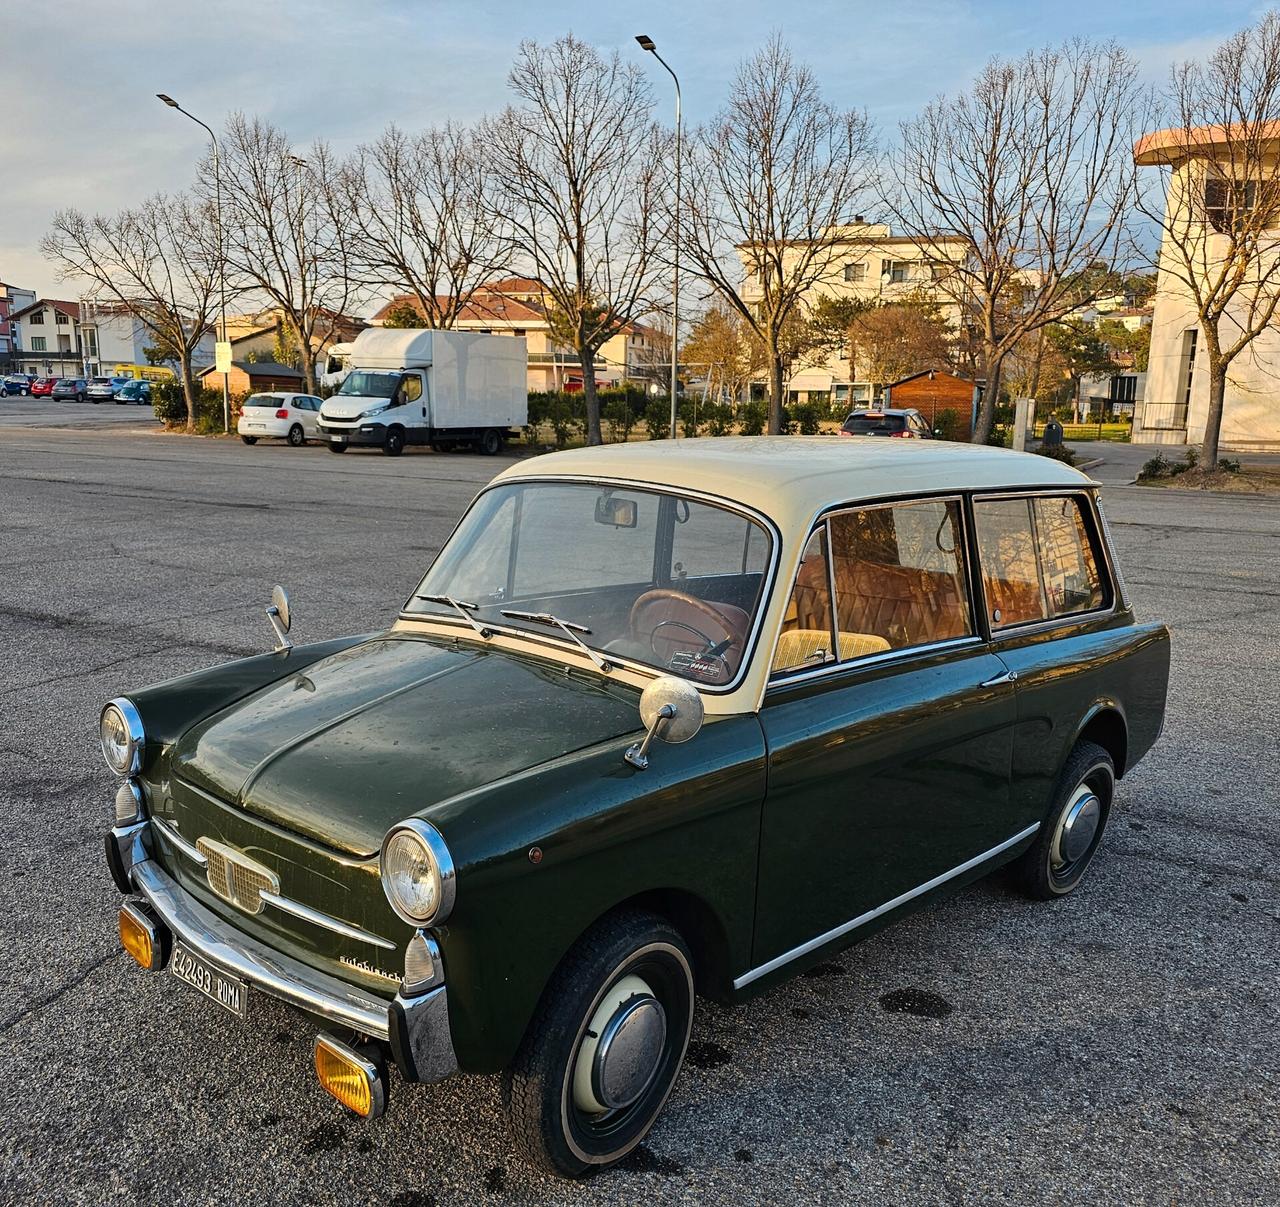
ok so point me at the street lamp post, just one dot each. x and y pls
(647, 43)
(222, 268)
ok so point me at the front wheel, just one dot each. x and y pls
(1073, 827)
(394, 444)
(337, 448)
(604, 1047)
(249, 439)
(297, 437)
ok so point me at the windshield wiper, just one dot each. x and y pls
(567, 627)
(463, 609)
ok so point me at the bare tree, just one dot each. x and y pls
(771, 182)
(424, 219)
(582, 167)
(287, 230)
(158, 263)
(1219, 203)
(1032, 169)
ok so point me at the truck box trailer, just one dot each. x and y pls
(443, 388)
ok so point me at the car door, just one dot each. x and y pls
(888, 723)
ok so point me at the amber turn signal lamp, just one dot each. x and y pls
(136, 939)
(355, 1081)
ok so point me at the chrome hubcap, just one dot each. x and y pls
(1078, 827)
(622, 1048)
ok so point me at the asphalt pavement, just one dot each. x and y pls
(1116, 1047)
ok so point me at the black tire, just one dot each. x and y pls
(249, 439)
(393, 445)
(337, 448)
(96, 400)
(539, 1089)
(490, 443)
(1051, 868)
(297, 437)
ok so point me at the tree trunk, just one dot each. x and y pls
(587, 357)
(188, 387)
(775, 391)
(987, 407)
(306, 355)
(1213, 419)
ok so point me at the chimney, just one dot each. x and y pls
(859, 220)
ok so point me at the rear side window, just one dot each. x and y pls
(1038, 561)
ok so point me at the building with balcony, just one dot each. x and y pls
(1206, 165)
(48, 339)
(12, 300)
(519, 306)
(871, 264)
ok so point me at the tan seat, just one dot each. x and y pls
(797, 647)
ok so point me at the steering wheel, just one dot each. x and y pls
(671, 604)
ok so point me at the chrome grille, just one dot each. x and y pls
(235, 877)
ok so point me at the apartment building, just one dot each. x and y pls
(48, 339)
(12, 299)
(519, 306)
(868, 262)
(1175, 403)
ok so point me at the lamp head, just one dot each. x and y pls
(646, 42)
(168, 100)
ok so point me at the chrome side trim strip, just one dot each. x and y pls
(253, 961)
(314, 916)
(181, 844)
(862, 919)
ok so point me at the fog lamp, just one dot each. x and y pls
(142, 937)
(129, 800)
(355, 1081)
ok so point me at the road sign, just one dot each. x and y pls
(222, 357)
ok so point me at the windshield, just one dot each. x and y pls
(874, 425)
(369, 384)
(653, 577)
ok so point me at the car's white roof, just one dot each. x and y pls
(792, 478)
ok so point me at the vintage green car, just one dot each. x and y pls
(661, 720)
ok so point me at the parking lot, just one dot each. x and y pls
(1116, 1047)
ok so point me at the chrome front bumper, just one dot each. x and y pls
(416, 1028)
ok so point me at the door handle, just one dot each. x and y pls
(998, 680)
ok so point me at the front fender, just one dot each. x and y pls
(605, 834)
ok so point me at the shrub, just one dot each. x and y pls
(752, 419)
(565, 414)
(1228, 465)
(949, 424)
(687, 417)
(1158, 466)
(618, 414)
(719, 418)
(657, 418)
(1056, 452)
(804, 416)
(168, 402)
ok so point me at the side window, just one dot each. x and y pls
(1010, 569)
(806, 641)
(411, 388)
(1071, 579)
(899, 577)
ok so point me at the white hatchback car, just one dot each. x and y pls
(281, 415)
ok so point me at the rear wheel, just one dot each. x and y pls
(491, 442)
(249, 439)
(393, 446)
(337, 448)
(605, 1046)
(1073, 828)
(297, 437)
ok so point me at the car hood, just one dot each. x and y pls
(349, 406)
(385, 729)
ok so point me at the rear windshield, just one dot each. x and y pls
(263, 400)
(102, 381)
(874, 425)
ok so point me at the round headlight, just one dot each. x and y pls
(417, 873)
(121, 732)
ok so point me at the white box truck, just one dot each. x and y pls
(441, 388)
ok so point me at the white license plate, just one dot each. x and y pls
(228, 991)
(255, 425)
(337, 440)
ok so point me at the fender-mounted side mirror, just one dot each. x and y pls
(671, 709)
(278, 614)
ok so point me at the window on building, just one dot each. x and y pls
(1231, 204)
(37, 343)
(855, 272)
(1190, 339)
(61, 319)
(896, 271)
(36, 318)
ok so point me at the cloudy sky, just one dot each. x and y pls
(82, 126)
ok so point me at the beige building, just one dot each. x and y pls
(872, 264)
(255, 335)
(519, 305)
(48, 339)
(1176, 402)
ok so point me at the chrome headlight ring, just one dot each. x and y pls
(121, 734)
(417, 872)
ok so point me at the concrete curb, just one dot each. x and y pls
(1092, 464)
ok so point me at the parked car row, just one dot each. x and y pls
(78, 389)
(17, 383)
